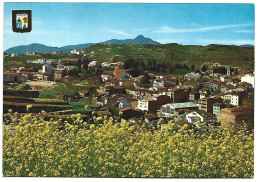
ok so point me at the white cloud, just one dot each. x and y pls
(199, 29)
(118, 32)
(244, 31)
(227, 42)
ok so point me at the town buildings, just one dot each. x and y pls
(187, 98)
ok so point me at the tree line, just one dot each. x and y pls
(137, 67)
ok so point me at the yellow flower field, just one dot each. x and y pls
(34, 147)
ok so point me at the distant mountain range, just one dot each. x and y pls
(140, 39)
(247, 46)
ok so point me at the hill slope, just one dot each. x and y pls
(175, 53)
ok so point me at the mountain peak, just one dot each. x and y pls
(140, 37)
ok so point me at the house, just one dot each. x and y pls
(105, 65)
(193, 117)
(47, 76)
(128, 83)
(204, 92)
(199, 115)
(194, 96)
(238, 98)
(47, 68)
(22, 78)
(141, 93)
(134, 104)
(93, 64)
(112, 99)
(106, 78)
(51, 61)
(178, 95)
(225, 78)
(235, 98)
(206, 103)
(153, 104)
(76, 52)
(13, 55)
(217, 108)
(123, 103)
(29, 53)
(211, 85)
(236, 116)
(38, 61)
(223, 89)
(59, 74)
(15, 77)
(244, 86)
(231, 88)
(226, 97)
(158, 82)
(168, 110)
(120, 74)
(192, 76)
(160, 88)
(248, 78)
(28, 74)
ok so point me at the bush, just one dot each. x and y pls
(34, 147)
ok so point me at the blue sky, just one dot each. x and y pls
(60, 24)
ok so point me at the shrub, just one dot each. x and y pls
(34, 147)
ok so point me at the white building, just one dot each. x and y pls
(38, 61)
(234, 100)
(158, 83)
(93, 64)
(168, 110)
(248, 79)
(144, 104)
(47, 68)
(76, 51)
(191, 75)
(194, 117)
(227, 97)
(105, 78)
(232, 97)
(105, 65)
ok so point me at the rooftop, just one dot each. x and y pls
(181, 105)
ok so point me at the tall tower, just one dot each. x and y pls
(229, 71)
